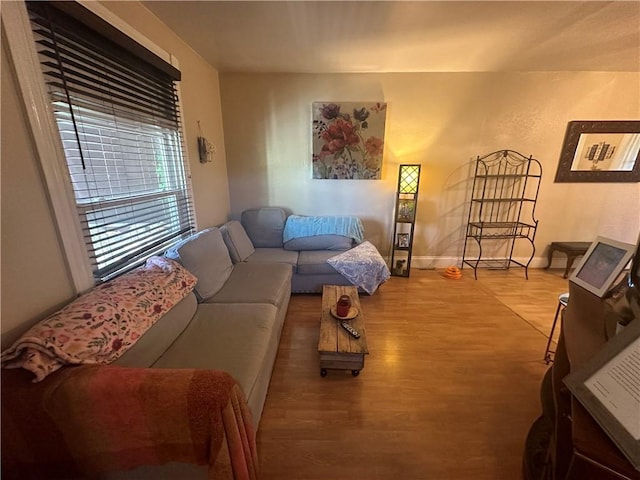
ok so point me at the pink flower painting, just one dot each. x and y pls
(348, 140)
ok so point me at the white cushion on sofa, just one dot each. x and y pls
(238, 243)
(207, 257)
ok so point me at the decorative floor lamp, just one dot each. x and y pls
(405, 218)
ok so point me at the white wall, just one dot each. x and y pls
(34, 274)
(442, 121)
(35, 280)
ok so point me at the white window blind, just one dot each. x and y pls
(119, 124)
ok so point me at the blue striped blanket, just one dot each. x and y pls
(298, 226)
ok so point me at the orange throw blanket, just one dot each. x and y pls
(90, 419)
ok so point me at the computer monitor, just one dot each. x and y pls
(602, 264)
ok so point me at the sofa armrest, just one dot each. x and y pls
(92, 419)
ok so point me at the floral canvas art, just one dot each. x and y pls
(348, 140)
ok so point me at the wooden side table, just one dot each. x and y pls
(571, 249)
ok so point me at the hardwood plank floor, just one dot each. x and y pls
(449, 389)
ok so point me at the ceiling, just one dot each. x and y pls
(408, 36)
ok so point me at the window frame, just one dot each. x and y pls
(46, 139)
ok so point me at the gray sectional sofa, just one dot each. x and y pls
(233, 319)
(258, 238)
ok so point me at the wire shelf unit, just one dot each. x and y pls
(502, 210)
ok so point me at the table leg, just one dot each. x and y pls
(547, 350)
(570, 260)
(549, 256)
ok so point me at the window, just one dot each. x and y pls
(119, 123)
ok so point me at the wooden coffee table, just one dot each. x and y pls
(339, 350)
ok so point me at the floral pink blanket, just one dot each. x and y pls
(99, 326)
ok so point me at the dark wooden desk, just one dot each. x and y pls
(571, 249)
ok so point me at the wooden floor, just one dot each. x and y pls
(448, 391)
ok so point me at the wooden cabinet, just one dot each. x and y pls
(502, 210)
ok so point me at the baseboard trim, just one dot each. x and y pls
(431, 262)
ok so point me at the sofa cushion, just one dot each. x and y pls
(264, 226)
(314, 283)
(236, 338)
(158, 338)
(315, 262)
(237, 241)
(256, 283)
(206, 256)
(275, 255)
(320, 242)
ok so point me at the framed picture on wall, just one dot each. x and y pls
(601, 265)
(600, 151)
(348, 140)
